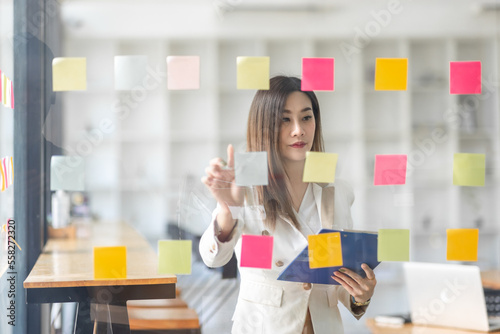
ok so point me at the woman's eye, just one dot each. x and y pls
(307, 118)
(286, 119)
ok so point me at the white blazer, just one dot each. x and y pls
(266, 305)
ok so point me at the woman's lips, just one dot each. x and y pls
(298, 145)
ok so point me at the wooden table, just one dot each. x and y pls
(64, 273)
(491, 279)
(413, 329)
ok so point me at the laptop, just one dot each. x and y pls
(448, 295)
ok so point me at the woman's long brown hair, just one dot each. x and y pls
(264, 122)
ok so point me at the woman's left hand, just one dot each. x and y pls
(360, 288)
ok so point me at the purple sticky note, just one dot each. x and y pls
(317, 74)
(183, 72)
(390, 169)
(465, 77)
(257, 251)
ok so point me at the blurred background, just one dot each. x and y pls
(145, 166)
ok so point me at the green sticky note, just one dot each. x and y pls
(393, 245)
(391, 73)
(174, 257)
(110, 262)
(462, 244)
(253, 72)
(320, 167)
(69, 74)
(469, 169)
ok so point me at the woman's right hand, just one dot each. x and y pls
(220, 180)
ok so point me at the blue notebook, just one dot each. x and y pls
(357, 247)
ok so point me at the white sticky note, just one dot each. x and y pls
(251, 168)
(130, 71)
(67, 173)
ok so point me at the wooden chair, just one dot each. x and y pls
(163, 320)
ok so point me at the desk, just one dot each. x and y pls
(64, 272)
(491, 279)
(413, 329)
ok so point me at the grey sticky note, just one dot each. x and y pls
(251, 169)
(130, 71)
(67, 173)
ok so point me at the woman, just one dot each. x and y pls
(285, 122)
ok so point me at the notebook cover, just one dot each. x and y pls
(357, 247)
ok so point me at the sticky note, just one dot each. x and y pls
(253, 72)
(257, 251)
(69, 74)
(250, 169)
(325, 250)
(174, 257)
(320, 167)
(390, 169)
(67, 173)
(469, 169)
(462, 244)
(393, 245)
(391, 73)
(110, 262)
(465, 77)
(130, 71)
(183, 72)
(317, 74)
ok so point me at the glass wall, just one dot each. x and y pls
(143, 148)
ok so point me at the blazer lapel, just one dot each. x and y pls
(325, 199)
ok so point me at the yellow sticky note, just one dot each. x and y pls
(174, 257)
(110, 262)
(320, 167)
(391, 73)
(69, 74)
(325, 250)
(462, 244)
(469, 169)
(253, 72)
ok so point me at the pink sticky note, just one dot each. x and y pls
(183, 72)
(317, 74)
(465, 77)
(390, 169)
(257, 251)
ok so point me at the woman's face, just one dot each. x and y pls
(297, 128)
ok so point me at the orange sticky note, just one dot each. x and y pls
(462, 244)
(325, 250)
(110, 262)
(391, 73)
